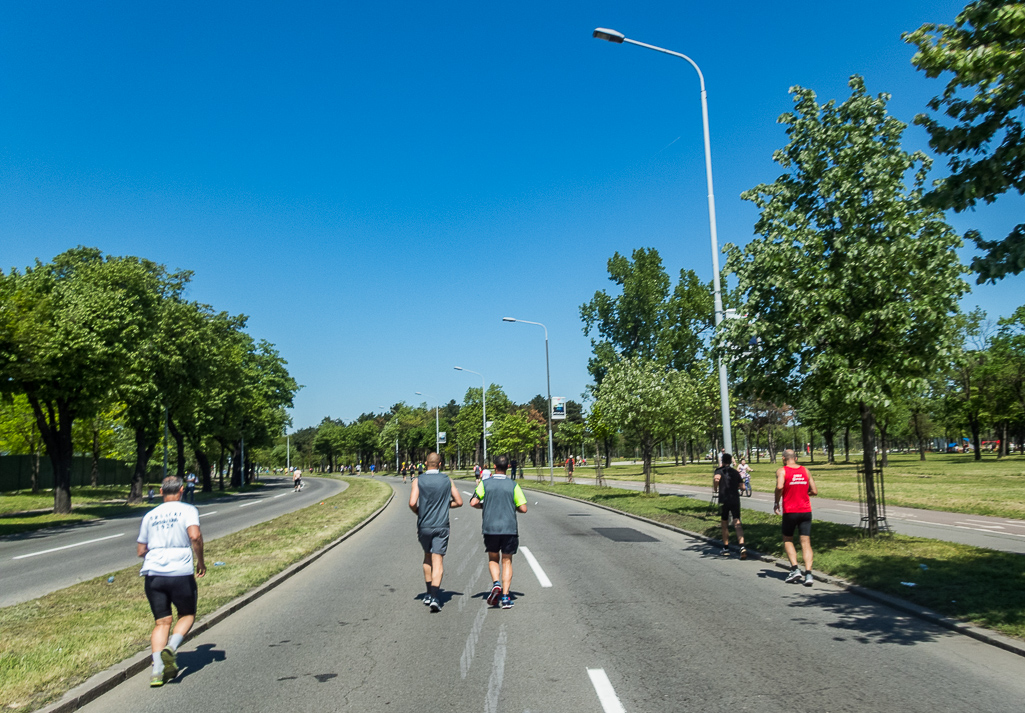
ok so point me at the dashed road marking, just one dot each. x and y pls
(66, 547)
(251, 502)
(542, 578)
(606, 693)
(204, 514)
(497, 673)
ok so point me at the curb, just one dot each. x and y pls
(117, 674)
(984, 635)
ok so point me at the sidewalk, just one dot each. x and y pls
(996, 533)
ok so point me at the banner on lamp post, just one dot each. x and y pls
(558, 408)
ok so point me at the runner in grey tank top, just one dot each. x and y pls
(500, 499)
(432, 496)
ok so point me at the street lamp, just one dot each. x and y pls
(484, 402)
(603, 33)
(548, 375)
(437, 433)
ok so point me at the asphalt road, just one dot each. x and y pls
(35, 563)
(654, 620)
(997, 533)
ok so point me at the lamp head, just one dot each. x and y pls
(458, 368)
(418, 393)
(603, 33)
(508, 319)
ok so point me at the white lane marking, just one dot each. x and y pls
(204, 514)
(65, 547)
(970, 523)
(471, 641)
(251, 502)
(469, 585)
(1015, 523)
(606, 693)
(280, 496)
(497, 673)
(467, 494)
(542, 578)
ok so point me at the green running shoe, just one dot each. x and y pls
(170, 664)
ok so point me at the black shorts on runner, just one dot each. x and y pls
(434, 540)
(162, 592)
(801, 521)
(728, 508)
(506, 544)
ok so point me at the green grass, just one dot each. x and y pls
(969, 583)
(88, 503)
(952, 482)
(51, 644)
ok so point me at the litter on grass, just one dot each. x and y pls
(218, 564)
(908, 584)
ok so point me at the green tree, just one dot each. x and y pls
(984, 100)
(70, 329)
(649, 318)
(516, 433)
(850, 275)
(19, 434)
(647, 401)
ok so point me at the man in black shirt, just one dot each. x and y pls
(729, 482)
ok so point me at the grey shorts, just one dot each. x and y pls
(434, 540)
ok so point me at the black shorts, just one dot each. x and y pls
(727, 508)
(162, 592)
(801, 521)
(506, 544)
(434, 540)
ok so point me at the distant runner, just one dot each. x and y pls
(500, 499)
(793, 485)
(168, 538)
(432, 496)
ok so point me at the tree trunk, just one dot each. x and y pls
(976, 440)
(179, 443)
(830, 435)
(884, 427)
(868, 437)
(647, 446)
(143, 452)
(916, 419)
(811, 444)
(94, 472)
(35, 472)
(847, 444)
(204, 468)
(236, 465)
(55, 429)
(220, 468)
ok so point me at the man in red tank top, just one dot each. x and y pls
(793, 486)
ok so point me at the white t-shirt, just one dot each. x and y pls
(165, 533)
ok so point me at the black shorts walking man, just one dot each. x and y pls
(500, 499)
(172, 545)
(432, 496)
(729, 481)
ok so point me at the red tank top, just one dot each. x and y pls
(795, 489)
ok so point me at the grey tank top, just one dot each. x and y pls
(499, 511)
(435, 494)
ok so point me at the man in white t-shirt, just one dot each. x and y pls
(168, 538)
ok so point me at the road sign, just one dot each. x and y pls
(558, 408)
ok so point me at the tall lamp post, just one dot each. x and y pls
(603, 33)
(548, 376)
(437, 423)
(484, 402)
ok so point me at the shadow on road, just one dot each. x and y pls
(192, 661)
(869, 623)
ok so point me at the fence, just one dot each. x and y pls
(16, 472)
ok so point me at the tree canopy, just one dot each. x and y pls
(978, 119)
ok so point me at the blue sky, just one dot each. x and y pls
(377, 184)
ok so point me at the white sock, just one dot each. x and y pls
(174, 641)
(158, 664)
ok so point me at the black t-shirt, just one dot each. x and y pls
(729, 483)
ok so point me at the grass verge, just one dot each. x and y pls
(89, 504)
(53, 643)
(973, 584)
(954, 482)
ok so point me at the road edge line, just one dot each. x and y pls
(978, 633)
(117, 674)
